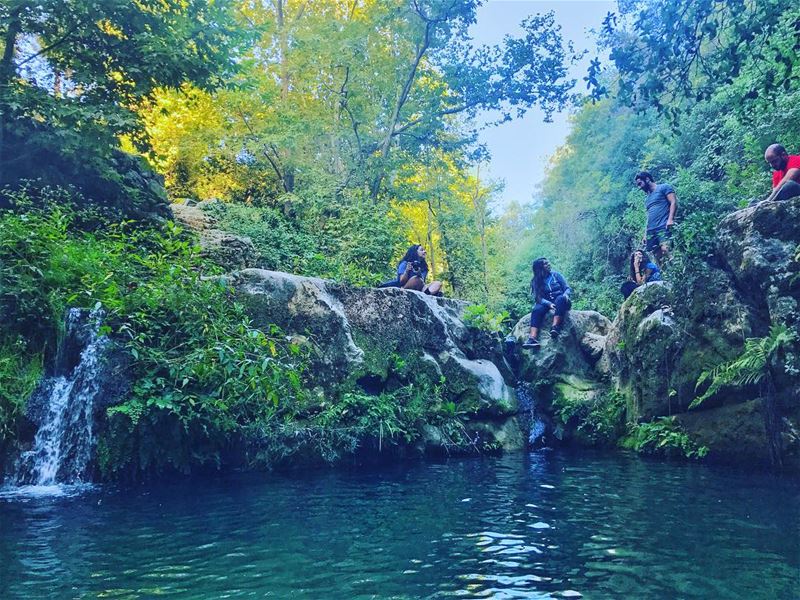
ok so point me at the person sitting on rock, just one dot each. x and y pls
(550, 293)
(412, 271)
(786, 173)
(643, 270)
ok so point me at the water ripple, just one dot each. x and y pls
(542, 525)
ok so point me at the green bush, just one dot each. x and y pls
(480, 317)
(664, 436)
(600, 418)
(198, 370)
(19, 374)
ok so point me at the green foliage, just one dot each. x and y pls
(19, 374)
(325, 117)
(353, 241)
(662, 436)
(757, 363)
(674, 53)
(480, 317)
(205, 386)
(599, 418)
(72, 72)
(329, 428)
(198, 370)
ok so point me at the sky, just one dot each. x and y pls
(521, 148)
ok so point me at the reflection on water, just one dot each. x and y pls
(543, 525)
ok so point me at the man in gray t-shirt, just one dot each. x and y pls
(661, 204)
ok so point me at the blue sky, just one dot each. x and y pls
(521, 148)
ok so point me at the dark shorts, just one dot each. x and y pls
(656, 237)
(790, 189)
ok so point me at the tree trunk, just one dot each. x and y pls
(7, 73)
(402, 96)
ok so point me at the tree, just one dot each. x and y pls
(671, 54)
(73, 71)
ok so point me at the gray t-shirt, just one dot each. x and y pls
(658, 206)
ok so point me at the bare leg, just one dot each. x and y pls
(434, 288)
(535, 333)
(414, 283)
(557, 320)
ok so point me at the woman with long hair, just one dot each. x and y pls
(642, 270)
(550, 293)
(412, 272)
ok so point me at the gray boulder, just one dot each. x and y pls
(380, 338)
(758, 246)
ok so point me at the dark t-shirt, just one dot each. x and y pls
(658, 206)
(401, 269)
(794, 163)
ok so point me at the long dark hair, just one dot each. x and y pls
(643, 264)
(411, 255)
(539, 276)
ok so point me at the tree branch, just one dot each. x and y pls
(264, 149)
(55, 44)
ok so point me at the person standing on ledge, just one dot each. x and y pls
(786, 173)
(661, 204)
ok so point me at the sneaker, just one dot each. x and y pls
(531, 342)
(555, 332)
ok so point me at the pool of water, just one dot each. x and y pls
(539, 525)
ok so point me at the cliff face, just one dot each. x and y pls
(667, 334)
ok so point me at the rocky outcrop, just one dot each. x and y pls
(381, 339)
(758, 246)
(229, 251)
(666, 335)
(649, 358)
(660, 343)
(567, 376)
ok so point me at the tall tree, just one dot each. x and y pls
(72, 72)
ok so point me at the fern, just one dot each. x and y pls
(752, 367)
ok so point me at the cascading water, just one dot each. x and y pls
(531, 420)
(64, 441)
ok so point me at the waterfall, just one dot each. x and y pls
(531, 419)
(63, 405)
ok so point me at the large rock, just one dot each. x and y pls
(577, 351)
(662, 340)
(734, 433)
(567, 375)
(758, 245)
(380, 338)
(666, 335)
(229, 251)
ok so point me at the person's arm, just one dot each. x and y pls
(564, 286)
(792, 174)
(403, 272)
(538, 299)
(673, 208)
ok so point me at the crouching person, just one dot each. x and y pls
(550, 293)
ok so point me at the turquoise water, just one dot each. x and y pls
(539, 525)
